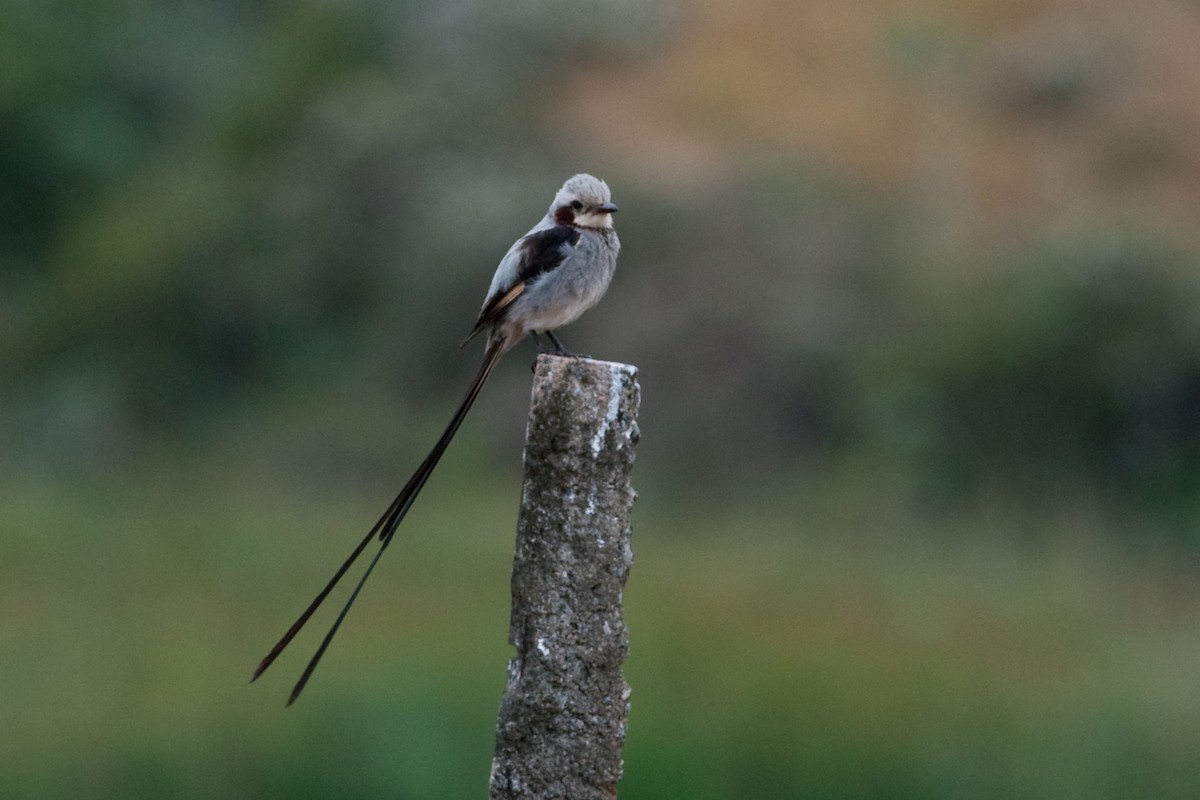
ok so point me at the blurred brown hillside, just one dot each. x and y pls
(998, 119)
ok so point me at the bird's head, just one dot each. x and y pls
(583, 201)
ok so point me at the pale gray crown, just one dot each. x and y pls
(587, 189)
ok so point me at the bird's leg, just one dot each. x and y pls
(559, 349)
(540, 348)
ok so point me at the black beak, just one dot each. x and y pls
(607, 208)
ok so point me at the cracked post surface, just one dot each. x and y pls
(562, 720)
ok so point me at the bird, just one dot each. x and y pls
(547, 279)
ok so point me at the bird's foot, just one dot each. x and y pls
(556, 348)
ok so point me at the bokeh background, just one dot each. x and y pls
(914, 289)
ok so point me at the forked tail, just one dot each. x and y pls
(385, 529)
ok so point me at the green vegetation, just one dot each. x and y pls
(788, 651)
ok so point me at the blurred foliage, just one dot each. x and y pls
(205, 198)
(1073, 372)
(920, 468)
(204, 203)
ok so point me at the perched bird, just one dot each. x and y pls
(549, 276)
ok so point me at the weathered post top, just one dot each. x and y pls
(562, 720)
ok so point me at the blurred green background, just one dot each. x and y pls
(914, 289)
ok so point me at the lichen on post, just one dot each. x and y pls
(562, 720)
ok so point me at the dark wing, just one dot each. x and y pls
(545, 250)
(539, 252)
